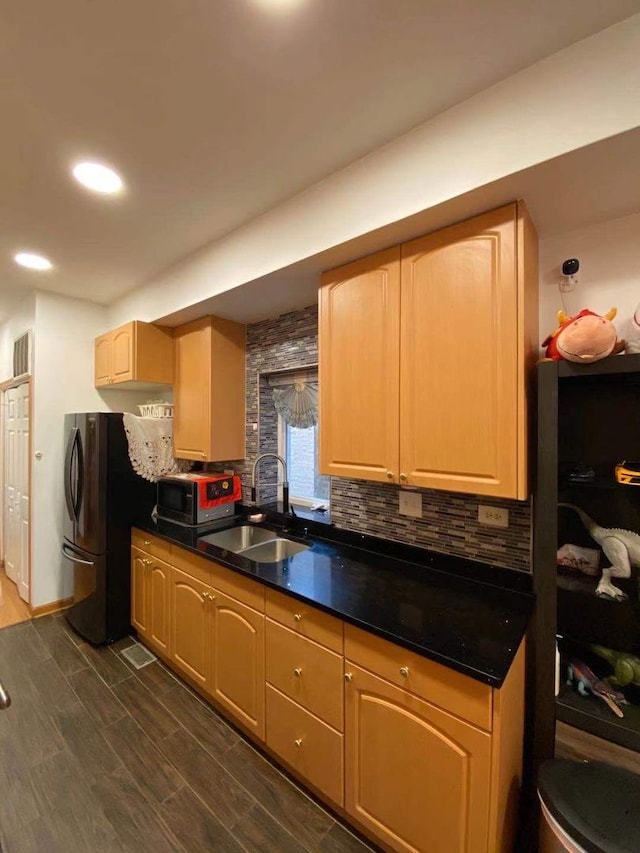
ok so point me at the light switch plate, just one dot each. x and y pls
(494, 516)
(410, 503)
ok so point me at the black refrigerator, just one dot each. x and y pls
(103, 498)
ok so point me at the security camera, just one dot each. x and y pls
(570, 266)
(569, 278)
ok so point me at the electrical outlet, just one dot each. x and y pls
(494, 516)
(410, 503)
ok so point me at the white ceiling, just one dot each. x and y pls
(216, 111)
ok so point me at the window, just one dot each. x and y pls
(299, 448)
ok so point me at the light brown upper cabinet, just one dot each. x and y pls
(209, 390)
(425, 352)
(137, 354)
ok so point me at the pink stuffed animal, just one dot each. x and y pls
(585, 337)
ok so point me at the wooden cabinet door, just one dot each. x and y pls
(102, 359)
(192, 391)
(190, 619)
(140, 563)
(359, 368)
(238, 666)
(123, 353)
(459, 358)
(158, 604)
(416, 777)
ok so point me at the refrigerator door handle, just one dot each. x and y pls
(68, 495)
(79, 474)
(74, 559)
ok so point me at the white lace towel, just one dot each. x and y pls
(150, 447)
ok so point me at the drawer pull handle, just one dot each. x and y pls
(147, 541)
(297, 617)
(404, 671)
(348, 676)
(297, 671)
(298, 742)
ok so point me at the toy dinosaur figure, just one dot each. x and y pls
(620, 547)
(626, 667)
(587, 682)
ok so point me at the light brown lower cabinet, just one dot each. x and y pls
(191, 620)
(416, 777)
(309, 746)
(238, 661)
(150, 598)
(421, 758)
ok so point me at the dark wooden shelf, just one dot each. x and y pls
(593, 715)
(615, 364)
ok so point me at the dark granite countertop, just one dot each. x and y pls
(460, 613)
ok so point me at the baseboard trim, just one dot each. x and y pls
(52, 607)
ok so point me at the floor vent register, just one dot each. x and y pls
(138, 656)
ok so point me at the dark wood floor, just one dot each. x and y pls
(97, 756)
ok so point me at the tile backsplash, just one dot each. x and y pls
(450, 520)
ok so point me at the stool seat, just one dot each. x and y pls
(596, 804)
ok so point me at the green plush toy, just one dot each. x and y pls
(626, 667)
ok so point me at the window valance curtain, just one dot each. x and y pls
(295, 396)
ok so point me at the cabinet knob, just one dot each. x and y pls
(297, 617)
(403, 478)
(146, 561)
(207, 596)
(298, 742)
(297, 671)
(147, 542)
(390, 475)
(404, 671)
(348, 676)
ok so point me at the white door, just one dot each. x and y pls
(16, 487)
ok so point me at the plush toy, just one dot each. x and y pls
(633, 333)
(585, 337)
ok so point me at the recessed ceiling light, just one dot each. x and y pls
(279, 5)
(97, 177)
(32, 261)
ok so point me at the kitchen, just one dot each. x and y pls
(269, 293)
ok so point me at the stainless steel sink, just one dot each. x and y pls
(273, 551)
(239, 538)
(261, 546)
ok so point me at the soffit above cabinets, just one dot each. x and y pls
(594, 184)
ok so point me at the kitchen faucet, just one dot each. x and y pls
(285, 483)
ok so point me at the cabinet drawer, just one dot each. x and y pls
(306, 620)
(247, 591)
(306, 744)
(191, 564)
(151, 544)
(306, 672)
(458, 694)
